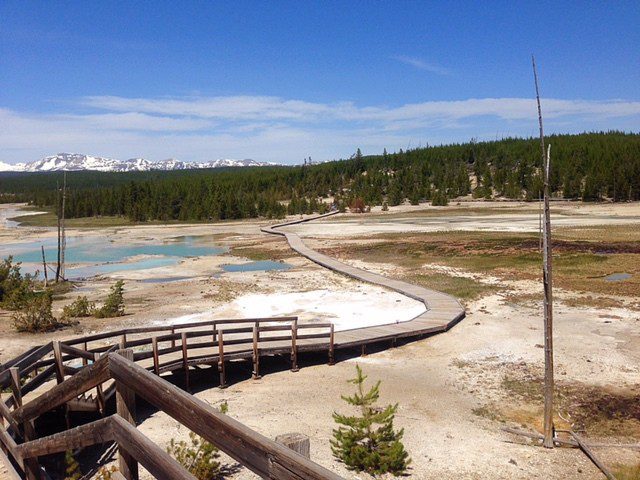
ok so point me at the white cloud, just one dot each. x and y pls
(422, 65)
(286, 130)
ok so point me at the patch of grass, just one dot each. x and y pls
(599, 411)
(49, 219)
(460, 287)
(489, 411)
(258, 253)
(578, 265)
(627, 472)
(613, 233)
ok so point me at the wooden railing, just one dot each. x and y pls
(224, 340)
(99, 367)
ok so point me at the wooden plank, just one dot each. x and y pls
(221, 366)
(332, 345)
(297, 442)
(294, 347)
(256, 353)
(592, 456)
(12, 474)
(79, 437)
(156, 362)
(76, 352)
(11, 447)
(86, 379)
(237, 440)
(57, 355)
(157, 462)
(126, 408)
(8, 416)
(185, 361)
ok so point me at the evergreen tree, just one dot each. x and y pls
(369, 442)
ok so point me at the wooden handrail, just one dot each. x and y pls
(33, 359)
(157, 462)
(87, 378)
(258, 453)
(78, 437)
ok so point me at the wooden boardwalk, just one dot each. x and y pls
(442, 310)
(84, 374)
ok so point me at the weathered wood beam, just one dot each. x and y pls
(79, 437)
(77, 352)
(57, 354)
(157, 462)
(8, 416)
(248, 447)
(11, 447)
(12, 474)
(126, 408)
(84, 380)
(592, 456)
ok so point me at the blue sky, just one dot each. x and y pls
(281, 81)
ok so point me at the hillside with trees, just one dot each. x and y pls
(589, 166)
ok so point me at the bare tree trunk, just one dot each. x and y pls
(547, 280)
(44, 266)
(59, 238)
(63, 232)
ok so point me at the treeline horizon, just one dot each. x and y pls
(588, 166)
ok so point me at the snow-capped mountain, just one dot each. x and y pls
(6, 167)
(77, 161)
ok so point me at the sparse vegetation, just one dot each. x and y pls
(199, 457)
(579, 266)
(627, 472)
(80, 308)
(369, 443)
(36, 316)
(16, 290)
(460, 287)
(72, 469)
(106, 473)
(114, 304)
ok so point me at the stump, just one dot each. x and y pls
(297, 442)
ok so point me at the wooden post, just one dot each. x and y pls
(294, 346)
(126, 408)
(99, 391)
(16, 391)
(44, 266)
(185, 364)
(363, 350)
(31, 465)
(63, 229)
(297, 442)
(57, 354)
(173, 340)
(156, 362)
(221, 368)
(123, 341)
(85, 362)
(256, 352)
(547, 280)
(331, 345)
(592, 456)
(59, 230)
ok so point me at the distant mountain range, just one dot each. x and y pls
(77, 162)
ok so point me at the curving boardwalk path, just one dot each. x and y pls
(442, 311)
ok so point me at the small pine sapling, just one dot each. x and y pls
(200, 457)
(114, 304)
(369, 443)
(72, 467)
